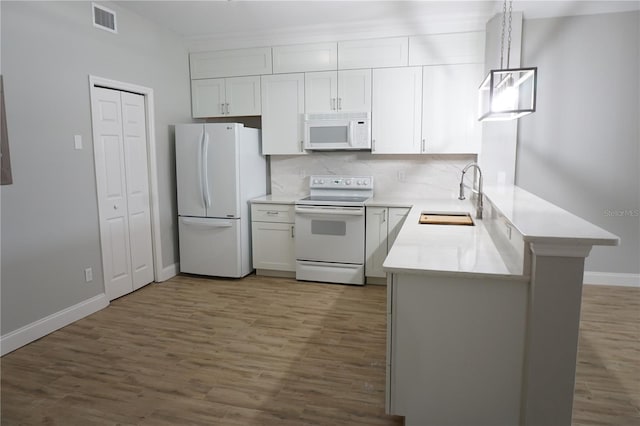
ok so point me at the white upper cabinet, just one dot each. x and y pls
(452, 48)
(282, 111)
(243, 96)
(230, 63)
(396, 111)
(343, 91)
(354, 90)
(305, 57)
(207, 97)
(450, 109)
(320, 91)
(373, 53)
(222, 97)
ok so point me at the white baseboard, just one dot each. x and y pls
(611, 278)
(32, 332)
(169, 272)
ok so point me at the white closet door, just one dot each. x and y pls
(120, 150)
(137, 178)
(112, 192)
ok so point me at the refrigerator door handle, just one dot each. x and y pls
(205, 168)
(205, 223)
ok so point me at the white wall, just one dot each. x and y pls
(580, 149)
(49, 216)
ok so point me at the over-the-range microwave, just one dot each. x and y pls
(337, 131)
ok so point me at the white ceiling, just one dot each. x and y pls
(197, 20)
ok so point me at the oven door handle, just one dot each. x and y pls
(334, 211)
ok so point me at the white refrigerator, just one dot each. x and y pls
(219, 168)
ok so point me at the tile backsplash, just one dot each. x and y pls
(397, 176)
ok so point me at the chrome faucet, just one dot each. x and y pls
(479, 205)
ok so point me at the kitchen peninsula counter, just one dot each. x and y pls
(483, 320)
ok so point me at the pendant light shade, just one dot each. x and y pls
(508, 94)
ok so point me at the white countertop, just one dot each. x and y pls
(540, 221)
(470, 250)
(276, 199)
(447, 249)
(389, 202)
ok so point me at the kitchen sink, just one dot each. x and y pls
(440, 218)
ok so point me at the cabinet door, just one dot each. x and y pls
(320, 91)
(397, 216)
(227, 63)
(396, 106)
(373, 53)
(354, 90)
(207, 98)
(273, 246)
(449, 115)
(305, 58)
(376, 241)
(243, 96)
(282, 110)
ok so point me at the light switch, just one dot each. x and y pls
(77, 140)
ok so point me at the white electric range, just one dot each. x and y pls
(330, 229)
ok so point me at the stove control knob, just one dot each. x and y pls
(365, 182)
(359, 182)
(315, 181)
(321, 182)
(347, 182)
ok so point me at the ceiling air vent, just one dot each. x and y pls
(104, 18)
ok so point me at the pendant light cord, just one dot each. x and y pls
(509, 39)
(504, 21)
(504, 15)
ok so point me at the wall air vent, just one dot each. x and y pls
(104, 18)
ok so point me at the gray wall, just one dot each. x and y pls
(579, 150)
(49, 216)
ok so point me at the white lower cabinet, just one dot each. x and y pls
(273, 233)
(382, 227)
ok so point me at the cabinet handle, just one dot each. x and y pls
(301, 146)
(333, 103)
(222, 108)
(423, 144)
(272, 213)
(383, 216)
(339, 104)
(373, 145)
(228, 112)
(293, 232)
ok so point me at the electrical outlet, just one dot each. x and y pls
(77, 141)
(401, 176)
(88, 275)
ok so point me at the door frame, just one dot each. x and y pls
(147, 92)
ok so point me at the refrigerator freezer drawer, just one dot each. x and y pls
(210, 247)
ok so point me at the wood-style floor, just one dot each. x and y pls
(268, 351)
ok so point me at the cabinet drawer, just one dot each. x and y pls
(272, 213)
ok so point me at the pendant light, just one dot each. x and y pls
(507, 93)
